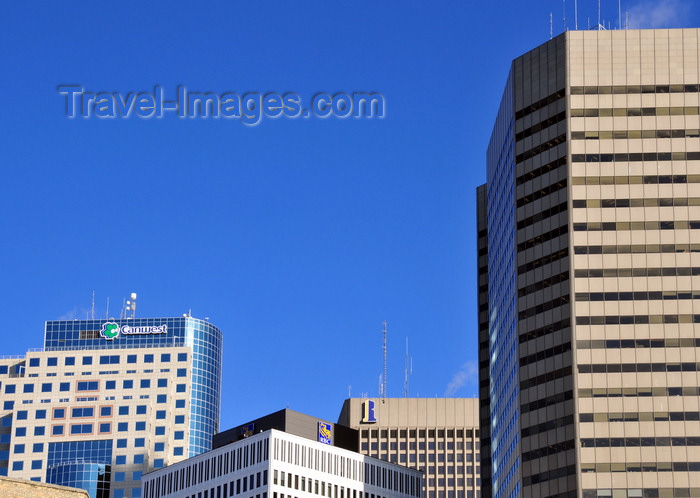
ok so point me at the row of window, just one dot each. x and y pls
(625, 157)
(161, 398)
(596, 226)
(541, 215)
(551, 449)
(640, 417)
(539, 239)
(94, 385)
(549, 99)
(641, 467)
(637, 249)
(544, 284)
(634, 179)
(637, 272)
(548, 401)
(547, 426)
(636, 319)
(606, 112)
(543, 354)
(690, 366)
(633, 442)
(542, 125)
(537, 172)
(52, 361)
(551, 328)
(634, 134)
(538, 149)
(418, 433)
(642, 493)
(541, 192)
(685, 342)
(637, 295)
(542, 307)
(632, 89)
(639, 202)
(545, 377)
(210, 468)
(642, 392)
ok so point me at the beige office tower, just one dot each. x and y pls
(591, 215)
(439, 436)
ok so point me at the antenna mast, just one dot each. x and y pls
(408, 371)
(92, 308)
(564, 2)
(550, 25)
(576, 13)
(384, 350)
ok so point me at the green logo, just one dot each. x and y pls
(110, 330)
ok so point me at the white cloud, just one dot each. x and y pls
(468, 375)
(659, 14)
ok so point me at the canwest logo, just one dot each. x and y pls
(111, 330)
(368, 416)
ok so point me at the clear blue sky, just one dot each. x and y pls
(297, 237)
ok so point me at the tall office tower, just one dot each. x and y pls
(592, 209)
(439, 436)
(104, 402)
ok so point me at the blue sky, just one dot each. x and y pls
(297, 237)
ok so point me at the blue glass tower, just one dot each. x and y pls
(106, 401)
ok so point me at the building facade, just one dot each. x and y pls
(590, 269)
(104, 402)
(275, 464)
(438, 436)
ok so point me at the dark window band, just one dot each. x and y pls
(633, 134)
(683, 342)
(539, 239)
(634, 179)
(637, 296)
(536, 173)
(550, 258)
(551, 449)
(546, 330)
(542, 125)
(632, 89)
(544, 284)
(543, 192)
(607, 112)
(547, 426)
(638, 249)
(636, 319)
(640, 417)
(542, 215)
(637, 272)
(548, 353)
(549, 144)
(624, 157)
(549, 99)
(541, 308)
(546, 377)
(548, 401)
(636, 225)
(638, 392)
(639, 367)
(633, 442)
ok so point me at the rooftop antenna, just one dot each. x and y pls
(107, 312)
(131, 305)
(598, 14)
(576, 13)
(384, 349)
(92, 308)
(122, 315)
(550, 25)
(564, 2)
(408, 371)
(627, 20)
(381, 387)
(619, 15)
(349, 390)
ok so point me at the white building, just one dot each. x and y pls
(275, 464)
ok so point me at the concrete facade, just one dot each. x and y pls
(439, 436)
(590, 361)
(19, 488)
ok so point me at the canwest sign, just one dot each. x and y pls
(112, 330)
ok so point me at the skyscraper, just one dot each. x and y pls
(105, 401)
(590, 270)
(439, 436)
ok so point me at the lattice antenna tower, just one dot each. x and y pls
(384, 350)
